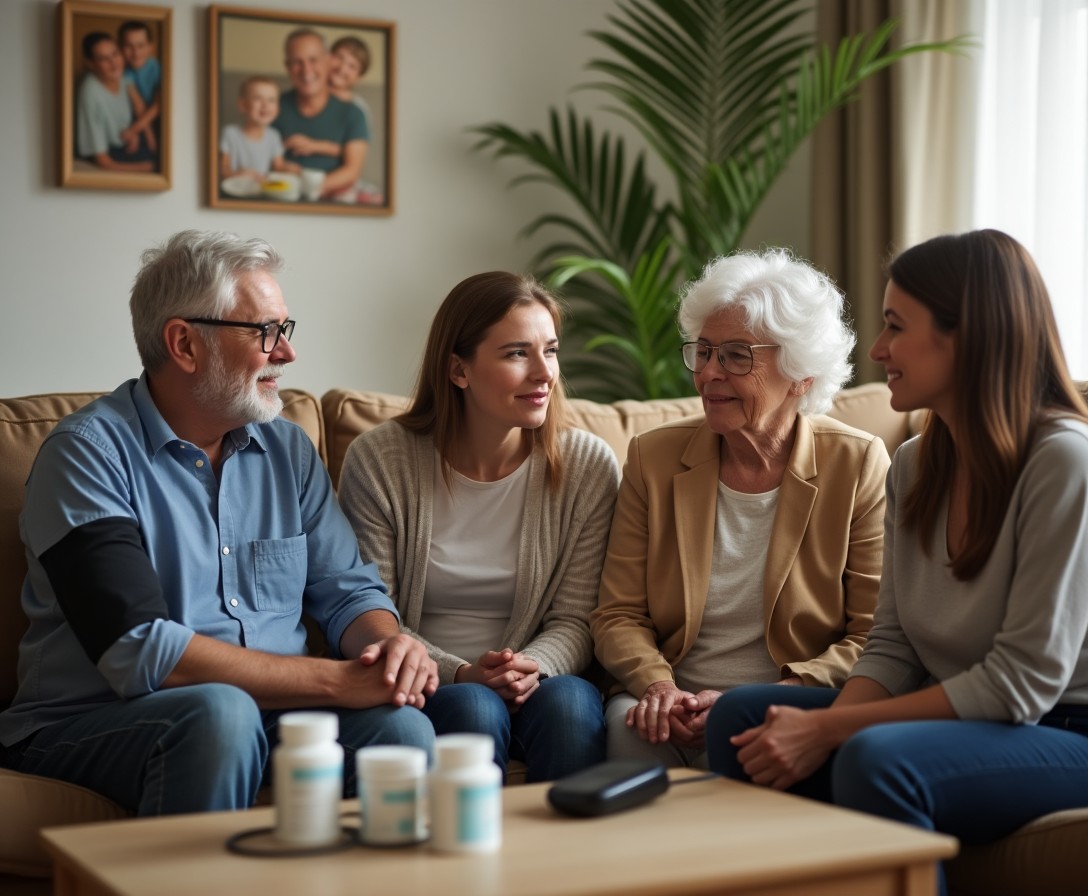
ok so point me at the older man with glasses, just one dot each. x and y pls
(176, 531)
(746, 543)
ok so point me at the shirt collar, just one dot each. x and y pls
(159, 433)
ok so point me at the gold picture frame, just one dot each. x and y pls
(98, 82)
(300, 112)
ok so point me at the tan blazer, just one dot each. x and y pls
(823, 562)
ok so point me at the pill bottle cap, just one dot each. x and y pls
(302, 729)
(390, 762)
(463, 750)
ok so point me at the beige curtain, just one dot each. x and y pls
(935, 98)
(852, 193)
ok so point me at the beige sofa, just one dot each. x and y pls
(1042, 858)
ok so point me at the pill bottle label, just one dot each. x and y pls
(478, 813)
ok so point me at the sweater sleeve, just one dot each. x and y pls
(889, 658)
(1041, 641)
(581, 518)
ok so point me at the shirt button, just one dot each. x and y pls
(234, 601)
(199, 464)
(226, 550)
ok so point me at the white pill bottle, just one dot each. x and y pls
(308, 769)
(392, 790)
(465, 794)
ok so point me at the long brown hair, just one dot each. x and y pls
(473, 306)
(1010, 375)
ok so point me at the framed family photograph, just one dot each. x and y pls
(114, 90)
(300, 112)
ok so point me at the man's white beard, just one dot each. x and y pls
(239, 396)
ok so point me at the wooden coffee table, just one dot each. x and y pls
(701, 837)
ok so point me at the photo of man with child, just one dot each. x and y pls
(296, 115)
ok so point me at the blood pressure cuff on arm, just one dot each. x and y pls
(104, 582)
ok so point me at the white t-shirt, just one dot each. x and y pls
(256, 155)
(473, 565)
(101, 115)
(731, 648)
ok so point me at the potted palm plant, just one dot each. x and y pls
(723, 92)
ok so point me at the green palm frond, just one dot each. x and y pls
(722, 92)
(630, 334)
(621, 216)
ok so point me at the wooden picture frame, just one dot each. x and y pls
(97, 82)
(327, 148)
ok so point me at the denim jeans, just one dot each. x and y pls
(558, 730)
(192, 749)
(977, 781)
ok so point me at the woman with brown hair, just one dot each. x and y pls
(488, 515)
(967, 712)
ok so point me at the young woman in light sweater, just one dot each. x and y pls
(488, 517)
(967, 712)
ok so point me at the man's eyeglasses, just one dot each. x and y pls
(736, 357)
(270, 333)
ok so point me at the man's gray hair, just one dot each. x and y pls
(192, 274)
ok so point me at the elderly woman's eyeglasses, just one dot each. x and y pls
(736, 357)
(270, 333)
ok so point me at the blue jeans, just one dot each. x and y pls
(978, 781)
(191, 749)
(558, 730)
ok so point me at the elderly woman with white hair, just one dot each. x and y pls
(746, 543)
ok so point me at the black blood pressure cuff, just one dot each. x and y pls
(104, 582)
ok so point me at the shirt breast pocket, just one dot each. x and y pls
(279, 573)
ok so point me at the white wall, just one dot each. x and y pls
(362, 289)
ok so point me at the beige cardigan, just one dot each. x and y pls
(823, 562)
(386, 490)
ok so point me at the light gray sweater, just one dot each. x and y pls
(1013, 641)
(386, 490)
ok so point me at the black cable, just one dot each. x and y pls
(262, 843)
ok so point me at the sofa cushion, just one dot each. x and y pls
(32, 803)
(1044, 856)
(347, 413)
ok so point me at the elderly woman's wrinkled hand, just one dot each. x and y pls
(651, 715)
(687, 719)
(788, 747)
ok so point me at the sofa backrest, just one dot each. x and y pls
(332, 423)
(24, 424)
(348, 413)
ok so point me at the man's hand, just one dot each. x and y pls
(408, 670)
(301, 145)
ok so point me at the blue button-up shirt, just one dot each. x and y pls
(238, 558)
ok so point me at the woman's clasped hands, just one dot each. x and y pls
(512, 675)
(788, 747)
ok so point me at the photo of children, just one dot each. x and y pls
(107, 111)
(303, 101)
(114, 127)
(143, 73)
(349, 63)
